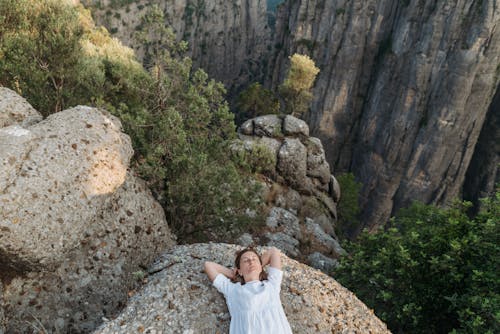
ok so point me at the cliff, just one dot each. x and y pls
(227, 39)
(404, 88)
(403, 92)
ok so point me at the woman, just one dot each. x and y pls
(252, 296)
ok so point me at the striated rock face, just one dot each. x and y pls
(403, 91)
(228, 39)
(75, 222)
(179, 298)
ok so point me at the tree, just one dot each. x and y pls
(52, 54)
(296, 89)
(434, 271)
(348, 207)
(185, 135)
(255, 101)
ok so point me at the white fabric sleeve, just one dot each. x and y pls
(222, 283)
(275, 277)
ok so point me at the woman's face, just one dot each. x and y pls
(250, 266)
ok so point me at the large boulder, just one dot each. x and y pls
(16, 110)
(179, 298)
(75, 222)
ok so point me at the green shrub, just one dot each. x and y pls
(434, 271)
(348, 207)
(53, 55)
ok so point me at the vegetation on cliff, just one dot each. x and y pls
(53, 55)
(433, 271)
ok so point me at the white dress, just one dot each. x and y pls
(255, 307)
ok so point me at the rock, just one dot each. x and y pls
(326, 225)
(268, 126)
(382, 104)
(283, 220)
(293, 126)
(321, 240)
(334, 189)
(292, 164)
(76, 223)
(321, 262)
(245, 240)
(282, 240)
(179, 298)
(246, 128)
(289, 199)
(16, 110)
(316, 161)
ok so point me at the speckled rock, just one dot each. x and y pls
(322, 239)
(179, 298)
(16, 110)
(293, 126)
(267, 125)
(284, 220)
(75, 222)
(321, 262)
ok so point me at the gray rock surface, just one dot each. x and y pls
(268, 126)
(282, 219)
(322, 240)
(293, 126)
(75, 222)
(292, 163)
(402, 94)
(179, 298)
(321, 262)
(284, 241)
(16, 110)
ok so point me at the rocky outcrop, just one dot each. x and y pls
(15, 110)
(299, 190)
(403, 91)
(179, 298)
(75, 222)
(228, 39)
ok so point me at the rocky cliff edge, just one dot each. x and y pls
(179, 298)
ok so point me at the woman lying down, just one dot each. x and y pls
(252, 295)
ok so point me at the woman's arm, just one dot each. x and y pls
(272, 257)
(213, 269)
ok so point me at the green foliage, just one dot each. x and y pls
(434, 271)
(296, 89)
(51, 53)
(183, 141)
(257, 158)
(348, 207)
(255, 101)
(180, 124)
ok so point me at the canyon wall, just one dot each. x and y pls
(228, 39)
(403, 93)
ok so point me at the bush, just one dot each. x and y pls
(434, 271)
(348, 207)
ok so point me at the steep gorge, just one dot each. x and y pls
(404, 88)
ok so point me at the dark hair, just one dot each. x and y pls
(238, 277)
